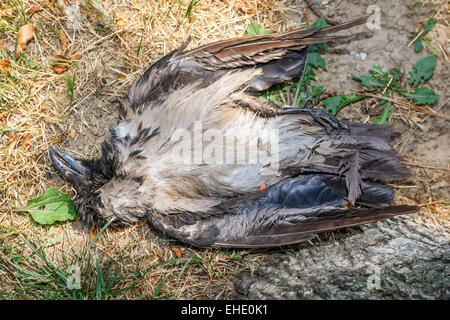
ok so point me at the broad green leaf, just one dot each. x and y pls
(51, 207)
(336, 103)
(384, 116)
(255, 29)
(316, 91)
(377, 70)
(397, 74)
(368, 81)
(351, 98)
(429, 24)
(418, 44)
(319, 23)
(423, 69)
(422, 96)
(316, 60)
(332, 104)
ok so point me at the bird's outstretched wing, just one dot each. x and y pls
(280, 57)
(240, 52)
(290, 212)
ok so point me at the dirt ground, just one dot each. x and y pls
(109, 67)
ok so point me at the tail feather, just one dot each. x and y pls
(373, 194)
(365, 153)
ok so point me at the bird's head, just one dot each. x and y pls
(105, 191)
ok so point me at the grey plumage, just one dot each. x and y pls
(320, 161)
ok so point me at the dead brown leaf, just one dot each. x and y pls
(64, 41)
(177, 251)
(93, 234)
(76, 57)
(141, 223)
(377, 110)
(33, 10)
(262, 187)
(26, 142)
(60, 64)
(12, 141)
(418, 27)
(4, 67)
(72, 133)
(25, 34)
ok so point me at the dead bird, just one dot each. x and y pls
(207, 162)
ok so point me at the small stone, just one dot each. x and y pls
(363, 56)
(351, 52)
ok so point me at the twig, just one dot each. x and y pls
(417, 37)
(433, 202)
(406, 104)
(95, 43)
(313, 7)
(414, 164)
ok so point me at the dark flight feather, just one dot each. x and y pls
(293, 211)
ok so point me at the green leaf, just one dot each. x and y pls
(316, 60)
(316, 91)
(422, 96)
(332, 104)
(255, 29)
(271, 96)
(52, 206)
(368, 81)
(377, 70)
(336, 103)
(423, 69)
(396, 73)
(382, 119)
(429, 24)
(418, 44)
(319, 23)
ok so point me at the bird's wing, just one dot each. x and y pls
(239, 52)
(292, 211)
(280, 57)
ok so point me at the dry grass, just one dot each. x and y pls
(41, 115)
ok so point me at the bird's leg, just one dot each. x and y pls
(322, 117)
(261, 106)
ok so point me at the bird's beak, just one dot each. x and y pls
(68, 166)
